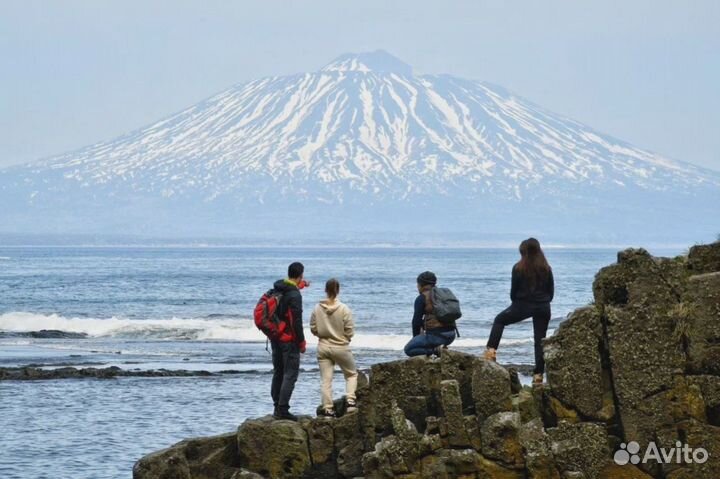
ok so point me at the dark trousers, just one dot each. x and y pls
(539, 312)
(286, 367)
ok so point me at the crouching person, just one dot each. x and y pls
(433, 323)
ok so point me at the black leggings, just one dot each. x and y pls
(539, 312)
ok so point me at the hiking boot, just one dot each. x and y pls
(438, 350)
(537, 379)
(490, 354)
(350, 406)
(328, 413)
(284, 415)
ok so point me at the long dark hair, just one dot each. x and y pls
(332, 288)
(533, 264)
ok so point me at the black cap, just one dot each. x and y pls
(427, 277)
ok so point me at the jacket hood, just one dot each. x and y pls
(283, 286)
(330, 308)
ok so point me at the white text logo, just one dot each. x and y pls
(680, 454)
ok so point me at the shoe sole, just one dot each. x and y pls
(278, 418)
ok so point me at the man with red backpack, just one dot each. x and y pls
(290, 341)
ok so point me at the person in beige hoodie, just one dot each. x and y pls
(332, 322)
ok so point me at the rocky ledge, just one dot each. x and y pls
(641, 364)
(43, 334)
(38, 373)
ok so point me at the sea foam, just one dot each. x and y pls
(197, 329)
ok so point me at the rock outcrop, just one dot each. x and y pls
(47, 372)
(640, 365)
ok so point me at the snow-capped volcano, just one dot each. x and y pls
(363, 130)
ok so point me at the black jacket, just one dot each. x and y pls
(522, 291)
(292, 300)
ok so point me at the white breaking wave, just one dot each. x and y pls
(241, 330)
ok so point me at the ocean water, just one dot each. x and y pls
(190, 308)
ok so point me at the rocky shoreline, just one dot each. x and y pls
(39, 372)
(43, 334)
(641, 364)
(32, 373)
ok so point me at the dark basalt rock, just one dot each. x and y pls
(31, 373)
(273, 448)
(573, 362)
(205, 458)
(43, 334)
(580, 448)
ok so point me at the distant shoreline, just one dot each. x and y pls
(338, 246)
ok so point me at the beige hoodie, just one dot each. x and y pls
(332, 323)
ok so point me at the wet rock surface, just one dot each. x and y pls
(43, 334)
(32, 373)
(273, 448)
(640, 364)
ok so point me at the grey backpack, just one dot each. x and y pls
(446, 306)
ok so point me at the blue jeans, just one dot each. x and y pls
(426, 343)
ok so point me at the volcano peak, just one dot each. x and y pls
(376, 61)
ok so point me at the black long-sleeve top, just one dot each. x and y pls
(418, 315)
(522, 291)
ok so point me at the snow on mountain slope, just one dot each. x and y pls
(374, 128)
(362, 126)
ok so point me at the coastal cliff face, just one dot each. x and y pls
(640, 365)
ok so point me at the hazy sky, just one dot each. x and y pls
(77, 72)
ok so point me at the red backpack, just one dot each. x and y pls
(269, 321)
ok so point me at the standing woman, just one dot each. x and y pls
(531, 292)
(332, 322)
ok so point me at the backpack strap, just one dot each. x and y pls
(288, 319)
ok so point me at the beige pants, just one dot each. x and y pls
(328, 357)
